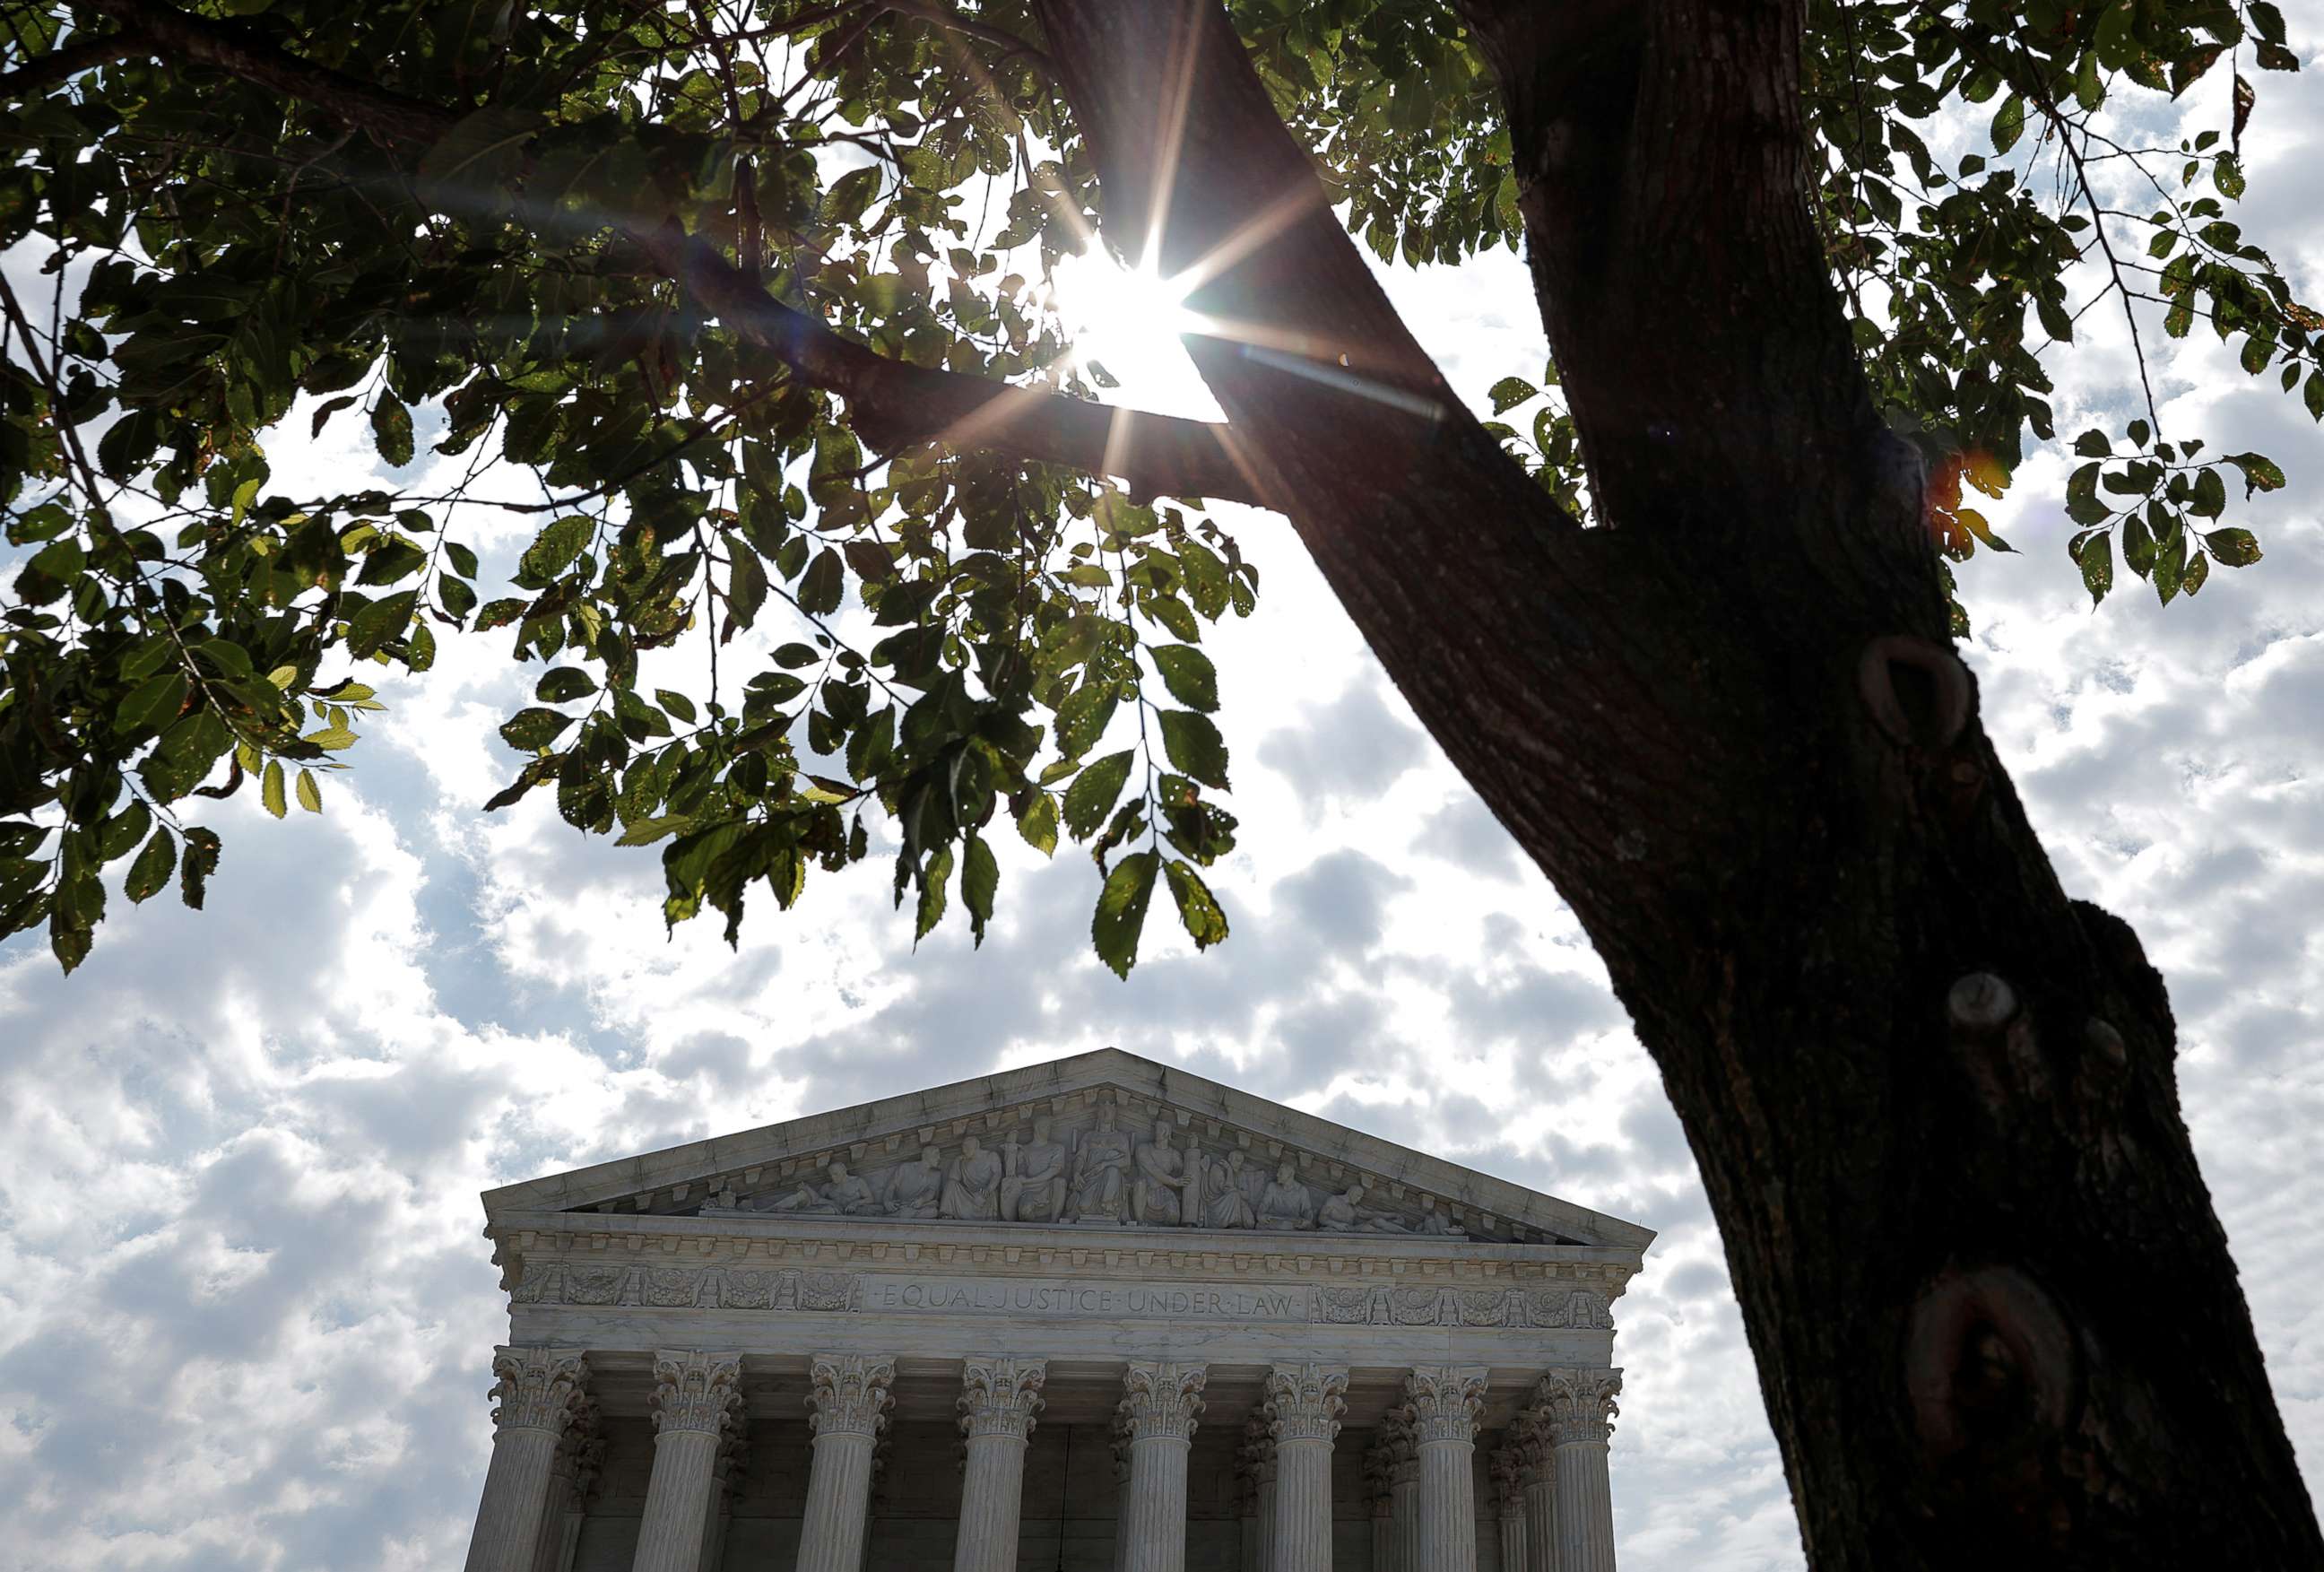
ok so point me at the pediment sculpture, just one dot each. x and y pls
(1099, 1174)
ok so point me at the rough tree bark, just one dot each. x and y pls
(1932, 1097)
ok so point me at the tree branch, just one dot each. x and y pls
(946, 16)
(41, 72)
(892, 403)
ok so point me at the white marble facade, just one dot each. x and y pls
(1090, 1316)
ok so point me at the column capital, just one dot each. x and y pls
(1000, 1397)
(1507, 1468)
(1536, 1452)
(1304, 1402)
(849, 1393)
(1400, 1453)
(1577, 1405)
(1162, 1399)
(694, 1391)
(1444, 1402)
(1255, 1453)
(538, 1389)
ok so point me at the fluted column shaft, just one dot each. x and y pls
(999, 1399)
(1120, 1447)
(848, 1395)
(1161, 1402)
(1509, 1464)
(578, 1454)
(1304, 1403)
(535, 1393)
(1577, 1409)
(1404, 1499)
(1541, 1518)
(694, 1401)
(1513, 1533)
(1444, 1402)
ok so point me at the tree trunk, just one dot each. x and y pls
(1932, 1099)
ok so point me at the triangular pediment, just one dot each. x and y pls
(1094, 1111)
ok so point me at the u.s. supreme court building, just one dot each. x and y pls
(1090, 1316)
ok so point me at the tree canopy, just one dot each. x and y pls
(744, 305)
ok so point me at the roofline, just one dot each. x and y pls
(1104, 1066)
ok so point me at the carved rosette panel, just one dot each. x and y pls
(848, 1393)
(1163, 1400)
(1444, 1402)
(694, 1391)
(536, 1389)
(1577, 1406)
(1000, 1397)
(1304, 1402)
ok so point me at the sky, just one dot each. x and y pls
(245, 1308)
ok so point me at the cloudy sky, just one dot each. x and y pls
(244, 1302)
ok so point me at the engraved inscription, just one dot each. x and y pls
(1157, 1301)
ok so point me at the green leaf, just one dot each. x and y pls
(746, 586)
(1194, 746)
(2009, 122)
(1038, 824)
(310, 791)
(931, 908)
(980, 879)
(553, 551)
(819, 591)
(2211, 498)
(153, 868)
(2093, 444)
(373, 626)
(1091, 795)
(1205, 923)
(2232, 548)
(1189, 675)
(324, 412)
(1083, 717)
(480, 151)
(529, 731)
(200, 861)
(563, 684)
(154, 702)
(2094, 555)
(1510, 392)
(1120, 914)
(391, 427)
(2260, 472)
(271, 789)
(2313, 395)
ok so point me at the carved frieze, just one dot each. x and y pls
(1103, 1164)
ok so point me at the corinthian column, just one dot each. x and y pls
(535, 1391)
(1507, 1470)
(1120, 1447)
(1444, 1400)
(1404, 1490)
(1537, 1478)
(1578, 1409)
(1160, 1403)
(1255, 1459)
(849, 1395)
(1380, 1502)
(998, 1400)
(694, 1399)
(574, 1470)
(732, 1452)
(1304, 1403)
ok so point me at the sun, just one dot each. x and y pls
(1128, 321)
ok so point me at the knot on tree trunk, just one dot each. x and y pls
(1918, 691)
(1993, 1373)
